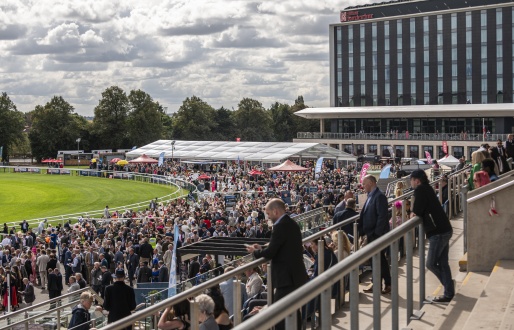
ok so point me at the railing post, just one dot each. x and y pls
(450, 199)
(464, 193)
(377, 290)
(355, 237)
(194, 315)
(421, 254)
(354, 299)
(292, 321)
(394, 285)
(411, 313)
(340, 257)
(237, 301)
(269, 285)
(326, 313)
(58, 318)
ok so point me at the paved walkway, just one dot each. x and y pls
(341, 319)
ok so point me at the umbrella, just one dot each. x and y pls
(255, 172)
(204, 177)
(288, 166)
(144, 159)
(115, 160)
(46, 160)
(122, 162)
(57, 161)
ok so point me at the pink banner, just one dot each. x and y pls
(445, 147)
(364, 171)
(429, 158)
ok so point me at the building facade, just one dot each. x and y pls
(423, 52)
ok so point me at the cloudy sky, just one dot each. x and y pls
(218, 50)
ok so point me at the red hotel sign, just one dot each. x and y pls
(349, 16)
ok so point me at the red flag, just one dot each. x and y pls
(429, 158)
(445, 147)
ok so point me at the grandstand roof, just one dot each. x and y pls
(411, 111)
(267, 152)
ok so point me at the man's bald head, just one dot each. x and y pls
(275, 209)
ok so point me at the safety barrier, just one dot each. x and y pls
(320, 286)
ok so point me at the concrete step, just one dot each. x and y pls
(508, 317)
(458, 310)
(491, 306)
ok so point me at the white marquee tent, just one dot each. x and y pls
(266, 152)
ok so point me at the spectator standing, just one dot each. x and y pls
(74, 286)
(28, 293)
(91, 258)
(145, 273)
(106, 280)
(164, 274)
(286, 253)
(41, 263)
(80, 316)
(438, 231)
(132, 263)
(119, 299)
(374, 222)
(54, 284)
(96, 276)
(227, 290)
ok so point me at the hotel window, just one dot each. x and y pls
(350, 32)
(385, 151)
(359, 149)
(440, 153)
(414, 151)
(457, 151)
(430, 149)
(372, 149)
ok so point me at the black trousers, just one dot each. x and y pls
(279, 294)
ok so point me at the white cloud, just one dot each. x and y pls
(219, 50)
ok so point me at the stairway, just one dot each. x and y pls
(483, 301)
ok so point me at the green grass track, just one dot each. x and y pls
(29, 195)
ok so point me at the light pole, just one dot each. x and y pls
(172, 149)
(78, 156)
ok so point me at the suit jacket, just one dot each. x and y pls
(286, 253)
(499, 155)
(164, 275)
(119, 300)
(374, 218)
(343, 215)
(194, 268)
(145, 275)
(509, 146)
(54, 282)
(88, 258)
(132, 262)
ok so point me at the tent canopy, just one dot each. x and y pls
(144, 159)
(448, 161)
(288, 166)
(267, 152)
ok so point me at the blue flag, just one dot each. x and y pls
(317, 169)
(161, 159)
(134, 148)
(172, 288)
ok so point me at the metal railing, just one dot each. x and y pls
(140, 177)
(402, 136)
(320, 285)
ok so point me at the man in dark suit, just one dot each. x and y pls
(347, 213)
(194, 267)
(164, 274)
(145, 273)
(499, 155)
(285, 251)
(132, 263)
(119, 299)
(509, 146)
(374, 222)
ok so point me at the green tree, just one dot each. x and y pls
(167, 124)
(194, 120)
(111, 117)
(283, 122)
(225, 122)
(54, 127)
(11, 125)
(253, 122)
(302, 124)
(144, 121)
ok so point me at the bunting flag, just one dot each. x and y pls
(161, 159)
(172, 288)
(364, 171)
(429, 158)
(319, 164)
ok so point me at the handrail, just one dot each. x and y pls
(473, 137)
(381, 243)
(56, 309)
(295, 300)
(46, 302)
(490, 191)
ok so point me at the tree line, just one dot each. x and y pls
(124, 120)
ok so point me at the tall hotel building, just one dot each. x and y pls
(430, 70)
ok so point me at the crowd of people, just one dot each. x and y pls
(127, 247)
